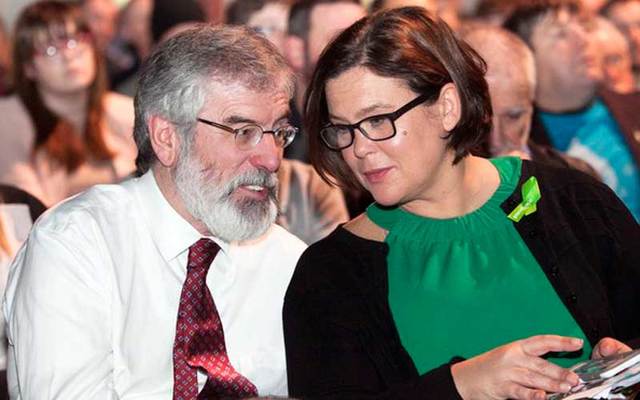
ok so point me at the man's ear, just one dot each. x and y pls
(294, 52)
(165, 140)
(450, 106)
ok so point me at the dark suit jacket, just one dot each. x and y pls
(625, 109)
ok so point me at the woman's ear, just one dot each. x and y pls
(450, 106)
(164, 140)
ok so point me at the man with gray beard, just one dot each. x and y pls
(169, 285)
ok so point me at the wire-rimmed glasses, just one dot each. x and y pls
(248, 136)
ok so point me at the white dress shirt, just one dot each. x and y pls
(92, 298)
(16, 222)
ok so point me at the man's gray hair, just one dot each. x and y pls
(175, 80)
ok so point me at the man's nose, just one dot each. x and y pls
(267, 154)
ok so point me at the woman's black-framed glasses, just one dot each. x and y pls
(376, 127)
(248, 136)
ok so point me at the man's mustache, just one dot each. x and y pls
(266, 179)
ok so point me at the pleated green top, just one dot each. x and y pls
(465, 285)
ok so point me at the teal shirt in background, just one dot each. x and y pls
(594, 136)
(465, 285)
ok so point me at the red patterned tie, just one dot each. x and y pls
(199, 339)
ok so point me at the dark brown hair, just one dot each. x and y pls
(404, 43)
(53, 134)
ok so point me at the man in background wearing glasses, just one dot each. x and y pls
(170, 284)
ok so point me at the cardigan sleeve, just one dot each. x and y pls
(339, 338)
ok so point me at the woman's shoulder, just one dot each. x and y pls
(11, 102)
(11, 107)
(340, 257)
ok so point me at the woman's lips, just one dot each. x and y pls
(377, 175)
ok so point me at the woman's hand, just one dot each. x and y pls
(609, 346)
(516, 371)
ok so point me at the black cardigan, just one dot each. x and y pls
(340, 337)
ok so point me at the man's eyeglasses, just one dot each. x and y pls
(377, 127)
(53, 48)
(248, 136)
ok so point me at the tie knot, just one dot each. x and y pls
(202, 253)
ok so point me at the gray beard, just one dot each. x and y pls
(211, 202)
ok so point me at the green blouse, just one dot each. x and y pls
(462, 286)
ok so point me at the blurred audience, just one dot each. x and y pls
(593, 6)
(309, 207)
(493, 12)
(61, 131)
(134, 38)
(5, 58)
(448, 10)
(512, 88)
(312, 25)
(169, 13)
(625, 14)
(571, 114)
(101, 17)
(615, 56)
(268, 17)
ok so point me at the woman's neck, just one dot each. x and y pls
(70, 106)
(457, 190)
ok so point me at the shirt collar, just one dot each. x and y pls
(171, 233)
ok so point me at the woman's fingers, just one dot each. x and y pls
(543, 344)
(552, 371)
(609, 346)
(530, 378)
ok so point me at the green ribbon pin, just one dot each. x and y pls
(530, 196)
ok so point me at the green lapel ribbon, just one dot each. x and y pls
(530, 196)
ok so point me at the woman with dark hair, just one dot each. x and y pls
(61, 131)
(465, 271)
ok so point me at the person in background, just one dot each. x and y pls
(267, 17)
(496, 261)
(511, 78)
(615, 56)
(492, 12)
(448, 10)
(167, 14)
(5, 59)
(18, 210)
(312, 24)
(102, 17)
(573, 113)
(62, 131)
(169, 285)
(134, 37)
(625, 14)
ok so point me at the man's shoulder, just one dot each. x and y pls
(279, 238)
(101, 204)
